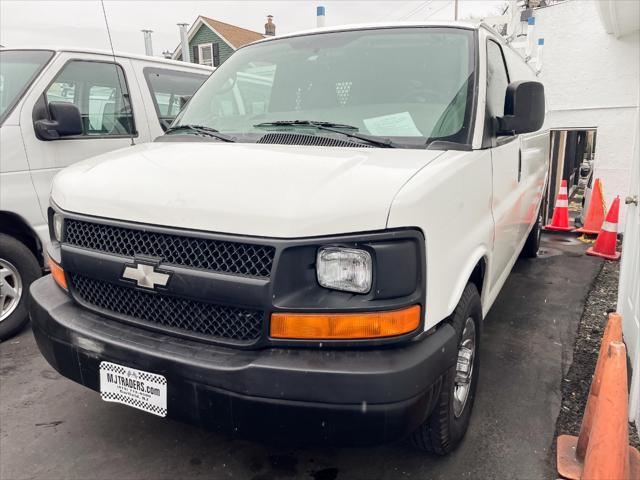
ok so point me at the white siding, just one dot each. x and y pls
(591, 80)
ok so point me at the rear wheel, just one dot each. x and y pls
(444, 429)
(18, 269)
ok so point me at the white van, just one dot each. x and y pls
(312, 247)
(122, 100)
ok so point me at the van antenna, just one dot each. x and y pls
(125, 96)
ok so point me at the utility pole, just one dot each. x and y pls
(455, 9)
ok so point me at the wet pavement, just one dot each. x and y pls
(52, 428)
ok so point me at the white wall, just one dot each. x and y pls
(591, 80)
(629, 291)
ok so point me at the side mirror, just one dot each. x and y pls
(184, 99)
(65, 121)
(523, 108)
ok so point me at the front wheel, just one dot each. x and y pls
(444, 429)
(18, 269)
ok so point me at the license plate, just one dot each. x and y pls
(142, 390)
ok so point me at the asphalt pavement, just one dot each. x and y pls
(52, 428)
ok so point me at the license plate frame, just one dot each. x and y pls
(142, 390)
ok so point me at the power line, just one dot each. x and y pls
(415, 11)
(438, 10)
(394, 9)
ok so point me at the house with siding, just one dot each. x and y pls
(211, 41)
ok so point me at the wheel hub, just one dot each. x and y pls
(464, 367)
(10, 288)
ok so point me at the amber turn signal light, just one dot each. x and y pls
(58, 274)
(344, 326)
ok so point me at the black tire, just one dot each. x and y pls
(15, 256)
(442, 432)
(532, 245)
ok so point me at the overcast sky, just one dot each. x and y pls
(81, 23)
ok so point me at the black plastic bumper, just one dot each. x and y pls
(345, 396)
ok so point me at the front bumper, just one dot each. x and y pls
(349, 396)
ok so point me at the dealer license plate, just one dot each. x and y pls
(142, 390)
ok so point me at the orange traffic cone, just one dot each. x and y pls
(602, 452)
(560, 220)
(595, 213)
(571, 451)
(608, 453)
(605, 245)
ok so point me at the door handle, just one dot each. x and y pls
(519, 165)
(629, 200)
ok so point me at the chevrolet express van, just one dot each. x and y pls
(310, 250)
(122, 99)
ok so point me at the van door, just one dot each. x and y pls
(108, 103)
(507, 202)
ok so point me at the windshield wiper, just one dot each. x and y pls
(201, 130)
(347, 130)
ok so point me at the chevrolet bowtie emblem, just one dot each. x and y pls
(146, 276)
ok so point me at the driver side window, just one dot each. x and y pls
(99, 90)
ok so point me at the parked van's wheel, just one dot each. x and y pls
(18, 269)
(448, 423)
(532, 245)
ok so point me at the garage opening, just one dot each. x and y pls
(572, 159)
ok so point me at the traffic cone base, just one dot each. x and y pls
(558, 229)
(593, 253)
(568, 464)
(595, 213)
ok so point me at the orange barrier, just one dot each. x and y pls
(601, 451)
(595, 213)
(605, 245)
(560, 219)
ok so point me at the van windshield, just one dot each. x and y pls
(410, 85)
(18, 68)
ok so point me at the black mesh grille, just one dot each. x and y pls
(179, 313)
(302, 139)
(202, 253)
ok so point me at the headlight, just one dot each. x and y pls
(58, 222)
(346, 269)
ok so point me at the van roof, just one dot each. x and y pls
(470, 25)
(147, 58)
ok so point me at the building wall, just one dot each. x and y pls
(591, 80)
(206, 35)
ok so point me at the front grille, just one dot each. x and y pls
(218, 321)
(202, 253)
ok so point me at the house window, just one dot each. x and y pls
(207, 54)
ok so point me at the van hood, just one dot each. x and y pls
(247, 189)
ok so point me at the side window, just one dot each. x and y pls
(99, 90)
(169, 89)
(497, 79)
